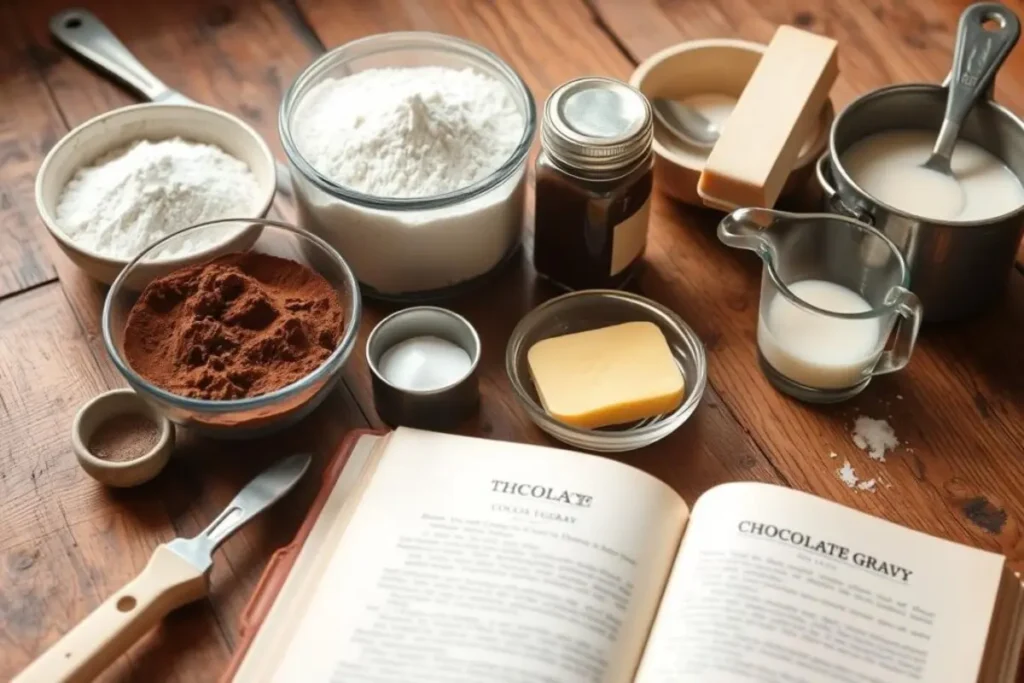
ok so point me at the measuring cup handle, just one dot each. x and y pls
(908, 307)
(85, 35)
(985, 35)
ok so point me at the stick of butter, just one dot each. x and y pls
(609, 376)
(772, 119)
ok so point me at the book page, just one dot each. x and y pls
(471, 560)
(778, 585)
(310, 564)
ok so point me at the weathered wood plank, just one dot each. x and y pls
(58, 528)
(256, 53)
(29, 126)
(961, 412)
(236, 56)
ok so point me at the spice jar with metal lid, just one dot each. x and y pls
(593, 184)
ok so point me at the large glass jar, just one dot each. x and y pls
(422, 248)
(593, 184)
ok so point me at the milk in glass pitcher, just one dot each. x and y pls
(833, 291)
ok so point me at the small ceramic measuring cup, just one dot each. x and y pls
(833, 291)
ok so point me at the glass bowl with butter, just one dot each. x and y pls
(606, 371)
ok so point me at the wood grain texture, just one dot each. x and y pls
(958, 408)
(58, 528)
(238, 56)
(253, 43)
(29, 126)
(962, 409)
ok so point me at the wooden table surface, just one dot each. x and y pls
(66, 542)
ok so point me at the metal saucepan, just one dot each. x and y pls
(956, 268)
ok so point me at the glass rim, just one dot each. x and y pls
(540, 416)
(873, 312)
(417, 39)
(337, 357)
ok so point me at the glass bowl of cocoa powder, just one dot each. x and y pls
(239, 346)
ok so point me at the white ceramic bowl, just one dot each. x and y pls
(714, 65)
(118, 128)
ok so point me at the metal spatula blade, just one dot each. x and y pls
(259, 494)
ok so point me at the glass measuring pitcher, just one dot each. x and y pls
(833, 292)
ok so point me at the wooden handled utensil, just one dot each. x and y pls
(175, 575)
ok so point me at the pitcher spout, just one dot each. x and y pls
(748, 229)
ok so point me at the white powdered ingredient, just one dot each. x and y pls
(874, 436)
(132, 197)
(408, 132)
(848, 476)
(413, 133)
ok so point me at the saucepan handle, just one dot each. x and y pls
(833, 202)
(910, 313)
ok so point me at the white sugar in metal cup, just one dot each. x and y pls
(423, 362)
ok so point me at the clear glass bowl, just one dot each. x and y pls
(592, 309)
(412, 249)
(247, 417)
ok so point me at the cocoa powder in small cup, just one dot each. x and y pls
(121, 438)
(241, 325)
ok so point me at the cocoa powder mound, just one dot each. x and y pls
(241, 325)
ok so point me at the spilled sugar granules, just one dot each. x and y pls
(849, 477)
(874, 436)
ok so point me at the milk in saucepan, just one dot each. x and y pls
(888, 167)
(816, 350)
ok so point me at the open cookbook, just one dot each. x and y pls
(429, 557)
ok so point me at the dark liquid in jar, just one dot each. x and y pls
(575, 221)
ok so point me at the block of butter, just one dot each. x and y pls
(608, 376)
(772, 119)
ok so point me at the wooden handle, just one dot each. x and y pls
(167, 582)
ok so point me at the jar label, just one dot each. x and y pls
(630, 238)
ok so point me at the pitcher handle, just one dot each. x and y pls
(908, 307)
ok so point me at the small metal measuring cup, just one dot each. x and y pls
(442, 408)
(956, 267)
(839, 251)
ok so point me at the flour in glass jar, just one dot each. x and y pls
(413, 133)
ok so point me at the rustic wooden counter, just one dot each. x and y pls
(66, 542)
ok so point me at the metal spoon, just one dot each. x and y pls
(985, 36)
(687, 124)
(86, 36)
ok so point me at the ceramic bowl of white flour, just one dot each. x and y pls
(125, 179)
(408, 155)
